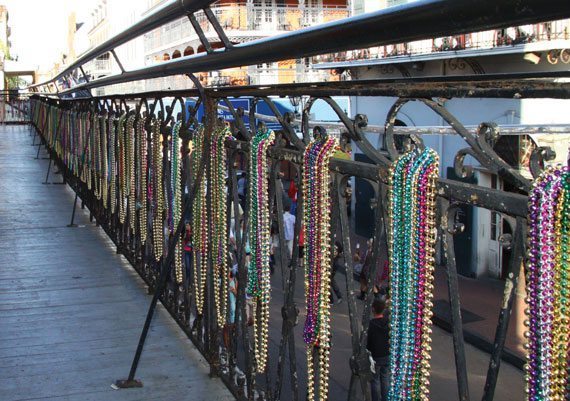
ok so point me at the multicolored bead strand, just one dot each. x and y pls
(86, 129)
(104, 161)
(199, 221)
(122, 169)
(548, 287)
(411, 250)
(219, 171)
(317, 232)
(91, 151)
(176, 197)
(97, 157)
(113, 127)
(158, 189)
(130, 128)
(141, 133)
(259, 284)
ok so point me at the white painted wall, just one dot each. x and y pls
(482, 232)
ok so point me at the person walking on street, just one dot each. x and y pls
(292, 193)
(289, 228)
(378, 345)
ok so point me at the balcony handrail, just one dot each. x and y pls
(413, 21)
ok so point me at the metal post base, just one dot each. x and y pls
(72, 225)
(126, 383)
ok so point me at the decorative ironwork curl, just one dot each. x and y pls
(487, 133)
(540, 155)
(481, 148)
(411, 140)
(238, 118)
(461, 170)
(454, 226)
(354, 129)
(285, 120)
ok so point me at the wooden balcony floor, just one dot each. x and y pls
(71, 309)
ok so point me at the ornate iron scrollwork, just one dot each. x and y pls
(540, 155)
(481, 147)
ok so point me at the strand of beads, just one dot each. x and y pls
(199, 221)
(100, 157)
(59, 133)
(157, 225)
(132, 200)
(411, 250)
(82, 129)
(316, 226)
(141, 134)
(176, 197)
(127, 168)
(97, 158)
(64, 140)
(105, 158)
(122, 170)
(91, 150)
(259, 285)
(75, 142)
(104, 161)
(547, 287)
(85, 135)
(219, 170)
(115, 134)
(72, 143)
(79, 144)
(171, 143)
(111, 124)
(68, 141)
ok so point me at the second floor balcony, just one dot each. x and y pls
(99, 67)
(241, 22)
(543, 36)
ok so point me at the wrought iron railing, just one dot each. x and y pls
(14, 107)
(75, 152)
(120, 155)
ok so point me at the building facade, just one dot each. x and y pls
(106, 20)
(531, 48)
(243, 21)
